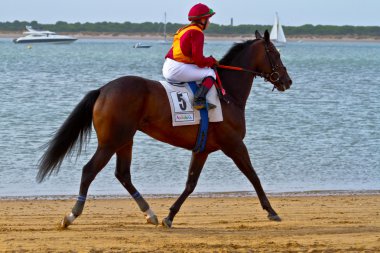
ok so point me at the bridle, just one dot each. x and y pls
(273, 77)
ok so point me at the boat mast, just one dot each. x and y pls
(165, 26)
(278, 25)
(280, 32)
(274, 31)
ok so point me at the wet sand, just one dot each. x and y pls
(343, 223)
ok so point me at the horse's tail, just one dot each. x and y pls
(77, 127)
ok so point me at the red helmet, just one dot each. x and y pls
(200, 11)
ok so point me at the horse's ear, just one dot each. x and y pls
(266, 36)
(258, 35)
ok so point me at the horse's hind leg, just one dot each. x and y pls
(89, 172)
(123, 174)
(196, 165)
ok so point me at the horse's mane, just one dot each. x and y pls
(234, 51)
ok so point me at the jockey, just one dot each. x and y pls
(185, 61)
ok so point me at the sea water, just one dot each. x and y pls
(322, 134)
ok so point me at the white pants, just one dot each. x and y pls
(174, 71)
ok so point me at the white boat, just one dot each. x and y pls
(277, 33)
(36, 36)
(140, 45)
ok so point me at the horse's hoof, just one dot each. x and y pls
(67, 221)
(152, 220)
(274, 217)
(166, 223)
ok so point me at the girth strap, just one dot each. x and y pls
(203, 126)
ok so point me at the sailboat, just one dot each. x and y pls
(277, 35)
(165, 41)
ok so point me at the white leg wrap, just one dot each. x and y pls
(71, 217)
(149, 213)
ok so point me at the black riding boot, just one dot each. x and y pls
(200, 94)
(200, 99)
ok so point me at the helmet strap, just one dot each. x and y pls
(203, 25)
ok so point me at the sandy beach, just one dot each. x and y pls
(339, 223)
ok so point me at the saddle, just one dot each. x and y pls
(181, 96)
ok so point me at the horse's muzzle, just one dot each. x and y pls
(283, 84)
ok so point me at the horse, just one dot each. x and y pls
(129, 104)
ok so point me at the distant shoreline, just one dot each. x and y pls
(152, 36)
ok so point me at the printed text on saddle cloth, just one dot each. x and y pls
(182, 106)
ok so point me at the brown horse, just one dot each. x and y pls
(129, 104)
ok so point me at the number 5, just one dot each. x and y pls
(181, 101)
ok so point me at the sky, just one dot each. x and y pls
(291, 12)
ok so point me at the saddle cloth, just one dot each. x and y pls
(180, 98)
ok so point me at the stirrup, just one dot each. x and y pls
(210, 106)
(199, 105)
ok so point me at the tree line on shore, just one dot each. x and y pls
(171, 28)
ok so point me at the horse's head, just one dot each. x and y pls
(268, 62)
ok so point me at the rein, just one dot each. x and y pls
(273, 77)
(240, 69)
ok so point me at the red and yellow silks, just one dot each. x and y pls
(177, 51)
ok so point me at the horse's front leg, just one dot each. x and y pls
(239, 154)
(196, 165)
